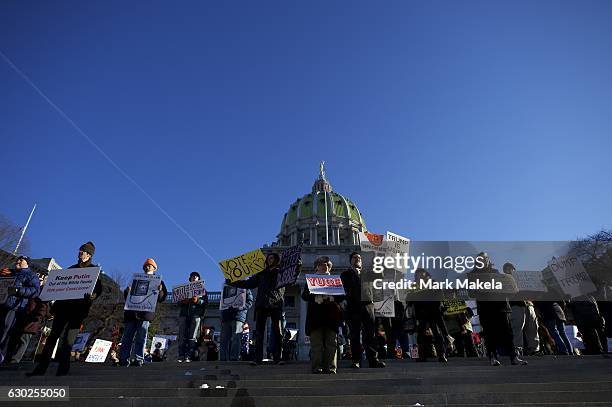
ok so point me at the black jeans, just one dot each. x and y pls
(497, 331)
(438, 329)
(66, 329)
(261, 316)
(361, 321)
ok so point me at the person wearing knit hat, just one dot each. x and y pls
(137, 324)
(191, 313)
(68, 318)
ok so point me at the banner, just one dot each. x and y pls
(99, 351)
(288, 273)
(324, 284)
(5, 283)
(571, 276)
(70, 284)
(529, 281)
(144, 292)
(80, 342)
(232, 297)
(188, 290)
(243, 266)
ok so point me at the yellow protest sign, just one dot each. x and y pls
(453, 307)
(243, 266)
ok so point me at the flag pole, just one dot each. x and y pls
(24, 230)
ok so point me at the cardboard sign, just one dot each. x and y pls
(80, 342)
(385, 308)
(70, 284)
(144, 292)
(243, 266)
(232, 297)
(5, 283)
(287, 274)
(571, 276)
(99, 351)
(324, 284)
(189, 290)
(397, 244)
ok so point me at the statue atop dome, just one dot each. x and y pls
(321, 184)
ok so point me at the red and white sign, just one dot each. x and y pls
(324, 284)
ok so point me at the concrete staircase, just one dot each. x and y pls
(547, 381)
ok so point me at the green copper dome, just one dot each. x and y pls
(306, 217)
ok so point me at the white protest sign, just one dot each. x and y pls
(385, 308)
(324, 284)
(188, 290)
(5, 283)
(99, 351)
(143, 293)
(232, 297)
(80, 342)
(571, 276)
(158, 339)
(397, 244)
(371, 242)
(529, 280)
(70, 284)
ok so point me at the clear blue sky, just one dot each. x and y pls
(471, 120)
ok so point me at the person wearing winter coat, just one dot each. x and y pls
(323, 318)
(360, 314)
(268, 304)
(191, 313)
(68, 316)
(590, 324)
(25, 287)
(429, 314)
(136, 324)
(34, 318)
(496, 321)
(232, 322)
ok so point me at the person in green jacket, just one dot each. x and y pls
(191, 313)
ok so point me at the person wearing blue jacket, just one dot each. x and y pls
(232, 322)
(26, 286)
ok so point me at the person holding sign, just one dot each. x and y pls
(68, 318)
(191, 313)
(268, 304)
(360, 314)
(136, 324)
(25, 285)
(323, 319)
(232, 322)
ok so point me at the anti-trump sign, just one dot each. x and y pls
(189, 290)
(243, 266)
(70, 284)
(324, 284)
(288, 271)
(571, 276)
(99, 351)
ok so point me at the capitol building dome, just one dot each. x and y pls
(321, 218)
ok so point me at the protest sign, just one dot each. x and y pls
(288, 271)
(70, 284)
(397, 244)
(5, 283)
(80, 341)
(529, 280)
(143, 293)
(188, 290)
(99, 351)
(571, 276)
(371, 242)
(324, 284)
(232, 297)
(243, 266)
(385, 308)
(159, 339)
(453, 307)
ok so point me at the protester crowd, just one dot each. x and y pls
(338, 326)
